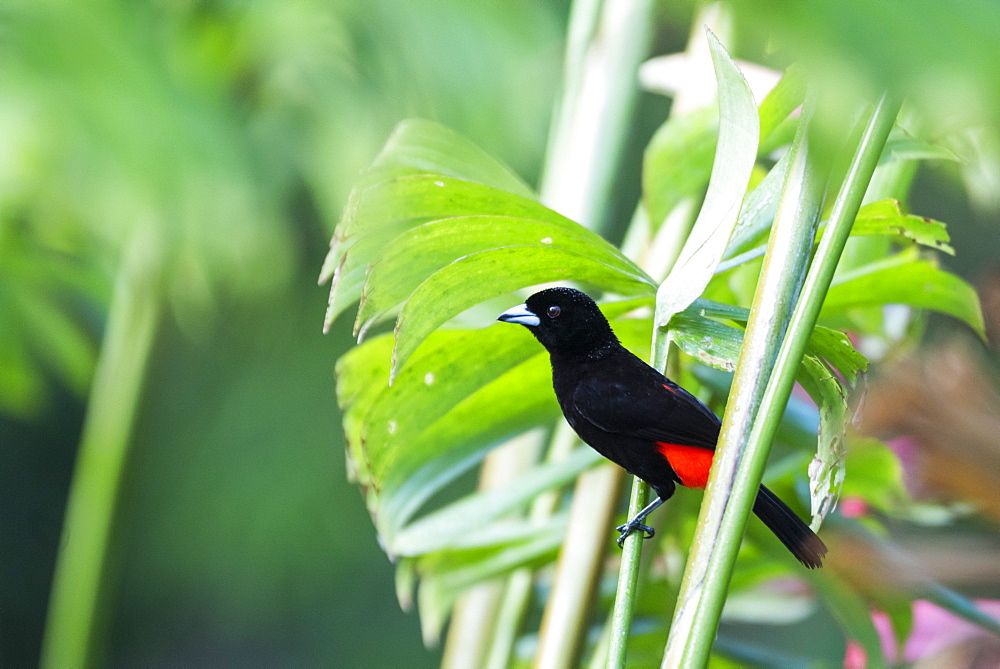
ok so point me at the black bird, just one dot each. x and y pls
(635, 416)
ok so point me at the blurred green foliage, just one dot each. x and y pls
(229, 134)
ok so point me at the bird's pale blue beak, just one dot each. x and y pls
(521, 315)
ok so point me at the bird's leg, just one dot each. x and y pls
(636, 523)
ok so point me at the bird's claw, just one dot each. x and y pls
(630, 527)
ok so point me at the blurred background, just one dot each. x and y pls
(229, 134)
(208, 148)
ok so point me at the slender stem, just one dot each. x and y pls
(513, 606)
(628, 578)
(665, 358)
(692, 633)
(74, 621)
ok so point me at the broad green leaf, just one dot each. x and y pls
(439, 379)
(718, 345)
(413, 256)
(885, 218)
(707, 341)
(917, 284)
(383, 210)
(735, 156)
(519, 399)
(416, 145)
(480, 276)
(421, 150)
(444, 374)
(424, 197)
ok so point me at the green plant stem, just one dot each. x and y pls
(607, 42)
(628, 578)
(692, 632)
(628, 574)
(74, 621)
(838, 230)
(782, 378)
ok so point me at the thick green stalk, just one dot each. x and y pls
(691, 635)
(607, 42)
(782, 378)
(74, 621)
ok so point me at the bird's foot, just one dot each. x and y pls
(630, 527)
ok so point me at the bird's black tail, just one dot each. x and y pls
(808, 548)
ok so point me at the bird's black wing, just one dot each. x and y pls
(634, 399)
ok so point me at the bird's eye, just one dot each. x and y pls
(553, 311)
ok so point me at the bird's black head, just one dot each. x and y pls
(565, 321)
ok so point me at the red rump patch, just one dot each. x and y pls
(690, 462)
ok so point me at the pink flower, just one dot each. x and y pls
(934, 630)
